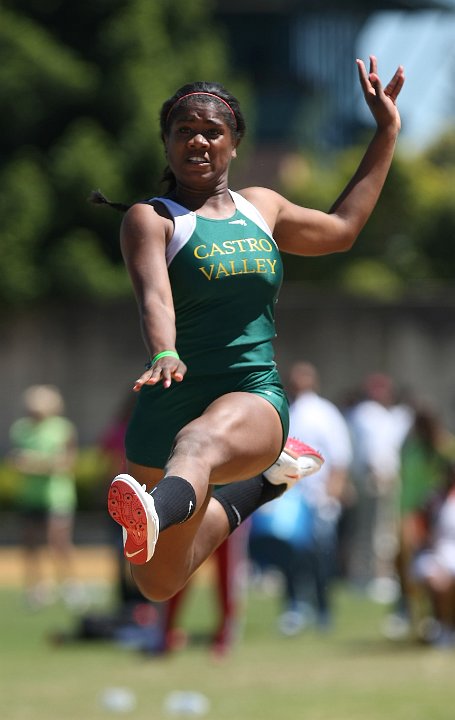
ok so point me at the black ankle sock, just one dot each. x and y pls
(241, 499)
(175, 500)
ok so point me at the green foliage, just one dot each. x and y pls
(367, 276)
(408, 239)
(92, 473)
(81, 86)
(40, 77)
(442, 152)
(95, 277)
(9, 479)
(26, 209)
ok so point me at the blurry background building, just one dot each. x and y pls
(301, 55)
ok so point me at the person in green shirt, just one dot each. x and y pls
(43, 451)
(424, 471)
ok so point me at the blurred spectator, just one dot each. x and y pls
(281, 539)
(112, 441)
(230, 564)
(425, 463)
(378, 426)
(434, 567)
(305, 523)
(112, 447)
(134, 622)
(323, 426)
(423, 472)
(44, 446)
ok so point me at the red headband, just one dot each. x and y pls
(201, 92)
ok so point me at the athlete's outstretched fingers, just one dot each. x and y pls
(165, 371)
(393, 88)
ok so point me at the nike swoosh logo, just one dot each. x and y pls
(237, 514)
(130, 555)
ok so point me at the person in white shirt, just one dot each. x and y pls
(316, 417)
(378, 428)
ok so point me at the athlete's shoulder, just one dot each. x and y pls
(146, 216)
(267, 202)
(144, 222)
(159, 207)
(257, 193)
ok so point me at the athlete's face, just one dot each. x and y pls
(199, 145)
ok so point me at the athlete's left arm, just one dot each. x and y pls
(304, 231)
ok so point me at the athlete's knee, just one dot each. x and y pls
(196, 441)
(157, 588)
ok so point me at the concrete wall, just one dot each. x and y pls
(95, 353)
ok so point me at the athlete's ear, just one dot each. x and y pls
(234, 149)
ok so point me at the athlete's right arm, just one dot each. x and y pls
(143, 236)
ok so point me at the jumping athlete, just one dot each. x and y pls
(206, 269)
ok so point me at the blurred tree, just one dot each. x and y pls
(434, 230)
(81, 85)
(408, 240)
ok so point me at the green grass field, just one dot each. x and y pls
(350, 673)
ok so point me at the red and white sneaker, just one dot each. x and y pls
(133, 508)
(296, 461)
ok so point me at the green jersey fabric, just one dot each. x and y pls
(47, 438)
(225, 277)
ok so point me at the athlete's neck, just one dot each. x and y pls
(216, 205)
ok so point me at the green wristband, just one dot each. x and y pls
(165, 353)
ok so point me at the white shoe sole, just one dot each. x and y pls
(289, 470)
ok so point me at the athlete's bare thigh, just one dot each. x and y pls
(238, 436)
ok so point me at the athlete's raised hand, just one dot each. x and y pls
(381, 101)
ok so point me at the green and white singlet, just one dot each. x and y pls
(225, 277)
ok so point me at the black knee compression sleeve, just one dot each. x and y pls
(241, 499)
(175, 500)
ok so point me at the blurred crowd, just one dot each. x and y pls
(379, 517)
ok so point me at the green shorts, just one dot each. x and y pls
(160, 413)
